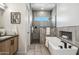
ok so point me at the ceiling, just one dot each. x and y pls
(42, 6)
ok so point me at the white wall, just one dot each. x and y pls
(53, 14)
(21, 28)
(29, 24)
(1, 20)
(67, 14)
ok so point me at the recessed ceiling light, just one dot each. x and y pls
(42, 8)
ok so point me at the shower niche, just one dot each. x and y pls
(65, 35)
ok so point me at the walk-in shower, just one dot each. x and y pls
(42, 19)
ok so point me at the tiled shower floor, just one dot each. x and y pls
(38, 49)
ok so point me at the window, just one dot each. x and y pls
(41, 19)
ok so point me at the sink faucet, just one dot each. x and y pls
(0, 33)
(65, 44)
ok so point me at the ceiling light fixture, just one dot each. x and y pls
(42, 8)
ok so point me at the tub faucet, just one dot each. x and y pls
(65, 44)
(0, 33)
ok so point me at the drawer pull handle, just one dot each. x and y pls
(12, 42)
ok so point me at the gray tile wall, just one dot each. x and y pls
(42, 35)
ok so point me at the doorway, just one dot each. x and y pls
(35, 35)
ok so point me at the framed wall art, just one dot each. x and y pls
(15, 17)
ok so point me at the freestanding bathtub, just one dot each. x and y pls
(53, 43)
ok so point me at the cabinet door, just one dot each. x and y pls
(12, 46)
(15, 44)
(1, 52)
(5, 47)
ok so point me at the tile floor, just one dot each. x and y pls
(38, 49)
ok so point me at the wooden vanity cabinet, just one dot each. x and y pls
(13, 45)
(9, 46)
(5, 47)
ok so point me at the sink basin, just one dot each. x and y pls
(4, 37)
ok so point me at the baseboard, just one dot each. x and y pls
(21, 53)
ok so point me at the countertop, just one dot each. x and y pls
(10, 36)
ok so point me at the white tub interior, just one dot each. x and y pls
(53, 43)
